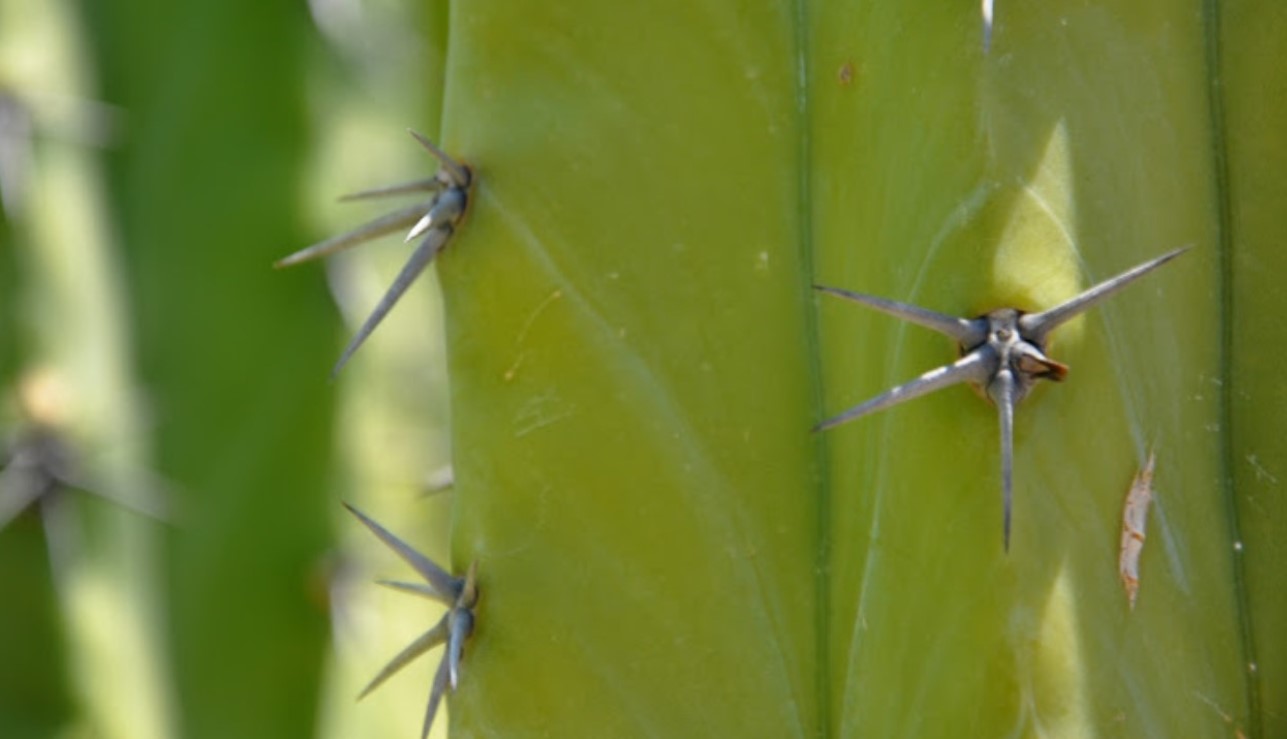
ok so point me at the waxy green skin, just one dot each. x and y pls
(636, 358)
(631, 561)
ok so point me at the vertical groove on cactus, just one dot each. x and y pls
(1227, 242)
(812, 345)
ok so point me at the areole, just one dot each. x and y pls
(1003, 353)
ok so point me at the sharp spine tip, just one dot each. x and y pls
(422, 225)
(460, 174)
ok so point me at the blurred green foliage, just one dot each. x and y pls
(170, 153)
(205, 187)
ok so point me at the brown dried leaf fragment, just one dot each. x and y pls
(1134, 520)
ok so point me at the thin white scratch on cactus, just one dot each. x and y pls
(1224, 715)
(1134, 525)
(1044, 205)
(539, 411)
(527, 326)
(1262, 473)
(541, 422)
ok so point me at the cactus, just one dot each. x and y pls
(662, 544)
